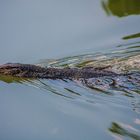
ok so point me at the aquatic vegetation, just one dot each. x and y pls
(117, 129)
(137, 35)
(121, 8)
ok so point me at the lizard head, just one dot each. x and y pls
(10, 69)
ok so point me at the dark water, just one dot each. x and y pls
(69, 34)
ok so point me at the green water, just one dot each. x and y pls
(69, 34)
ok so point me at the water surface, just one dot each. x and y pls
(69, 34)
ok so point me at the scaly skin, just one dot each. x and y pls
(99, 78)
(33, 71)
